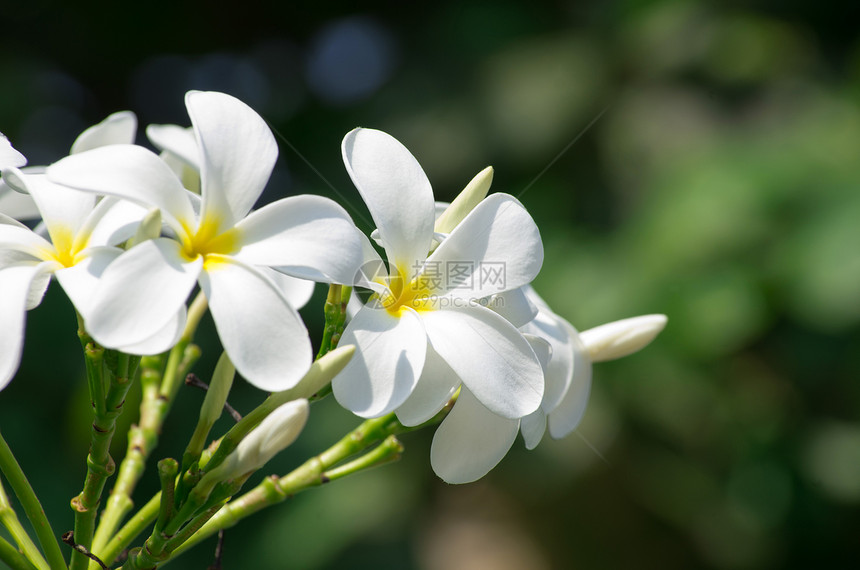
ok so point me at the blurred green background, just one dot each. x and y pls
(699, 159)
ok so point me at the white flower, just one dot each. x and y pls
(472, 439)
(81, 232)
(427, 333)
(222, 247)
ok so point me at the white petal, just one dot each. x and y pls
(63, 210)
(161, 341)
(533, 427)
(296, 291)
(387, 364)
(130, 172)
(8, 155)
(113, 221)
(16, 283)
(396, 192)
(17, 205)
(176, 140)
(237, 154)
(569, 412)
(514, 305)
(558, 373)
(471, 441)
(81, 280)
(305, 236)
(490, 356)
(497, 247)
(435, 387)
(140, 292)
(118, 128)
(620, 338)
(263, 336)
(22, 239)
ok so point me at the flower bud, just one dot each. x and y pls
(149, 228)
(620, 338)
(471, 196)
(275, 433)
(219, 388)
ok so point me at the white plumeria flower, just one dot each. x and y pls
(228, 251)
(82, 232)
(428, 335)
(472, 439)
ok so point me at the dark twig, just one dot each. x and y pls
(194, 381)
(69, 538)
(219, 551)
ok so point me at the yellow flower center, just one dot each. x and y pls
(208, 242)
(416, 295)
(64, 252)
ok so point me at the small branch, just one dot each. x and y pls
(195, 382)
(219, 552)
(69, 538)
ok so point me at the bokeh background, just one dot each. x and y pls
(699, 159)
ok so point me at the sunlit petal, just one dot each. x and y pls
(435, 387)
(118, 128)
(570, 410)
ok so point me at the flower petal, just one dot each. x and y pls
(471, 441)
(118, 128)
(570, 410)
(304, 236)
(237, 154)
(514, 305)
(396, 192)
(161, 341)
(23, 239)
(130, 172)
(81, 280)
(558, 373)
(8, 155)
(17, 205)
(533, 426)
(112, 222)
(387, 364)
(140, 292)
(491, 357)
(176, 140)
(435, 387)
(296, 291)
(17, 283)
(496, 248)
(63, 210)
(263, 336)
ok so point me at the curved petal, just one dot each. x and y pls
(514, 305)
(559, 371)
(17, 283)
(17, 205)
(386, 366)
(435, 387)
(140, 292)
(112, 222)
(496, 248)
(305, 236)
(471, 441)
(533, 426)
(237, 154)
(161, 341)
(8, 155)
(570, 410)
(118, 128)
(178, 141)
(81, 280)
(130, 172)
(263, 336)
(23, 239)
(296, 291)
(63, 210)
(491, 357)
(396, 192)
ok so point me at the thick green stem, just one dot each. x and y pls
(14, 559)
(335, 317)
(32, 507)
(9, 519)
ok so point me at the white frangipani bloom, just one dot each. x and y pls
(472, 439)
(81, 234)
(228, 251)
(426, 333)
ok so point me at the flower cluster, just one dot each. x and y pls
(451, 320)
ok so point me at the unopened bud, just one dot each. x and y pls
(465, 202)
(275, 433)
(149, 228)
(620, 338)
(219, 388)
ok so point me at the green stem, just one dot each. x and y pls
(335, 317)
(32, 507)
(132, 529)
(14, 559)
(9, 518)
